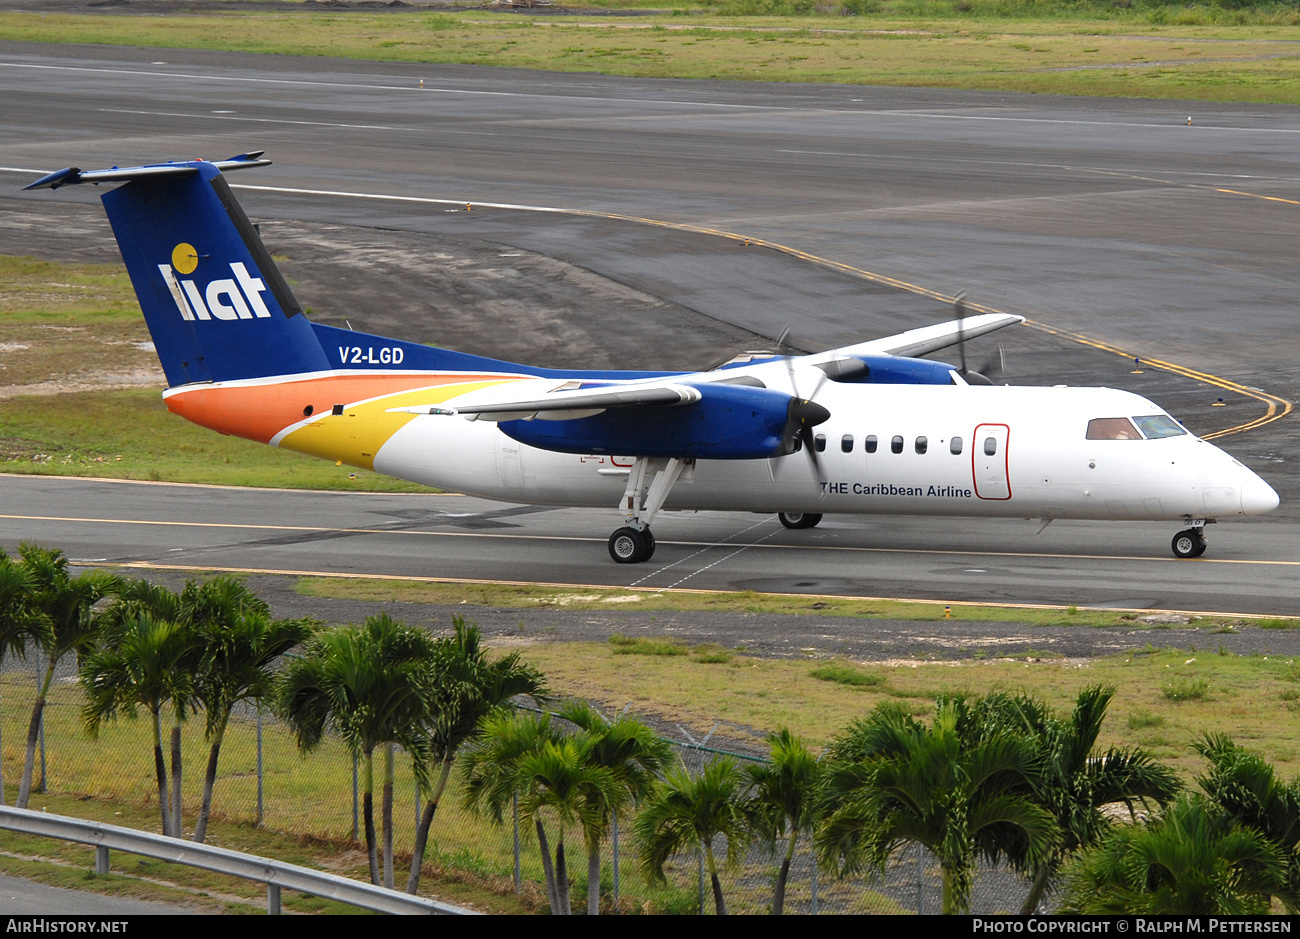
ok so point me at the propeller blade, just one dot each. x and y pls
(810, 447)
(789, 360)
(994, 366)
(959, 308)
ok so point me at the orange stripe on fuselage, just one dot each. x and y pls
(259, 412)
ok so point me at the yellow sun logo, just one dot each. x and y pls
(184, 258)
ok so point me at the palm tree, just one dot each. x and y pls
(371, 685)
(959, 792)
(67, 603)
(1192, 861)
(493, 779)
(787, 793)
(144, 666)
(635, 756)
(142, 598)
(686, 812)
(562, 782)
(240, 643)
(468, 688)
(1244, 786)
(1076, 783)
(20, 619)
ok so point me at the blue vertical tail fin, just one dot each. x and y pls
(216, 305)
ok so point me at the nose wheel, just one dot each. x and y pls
(799, 519)
(631, 546)
(1189, 543)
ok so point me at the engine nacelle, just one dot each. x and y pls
(894, 370)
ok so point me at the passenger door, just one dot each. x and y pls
(990, 463)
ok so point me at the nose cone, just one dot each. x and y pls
(1258, 497)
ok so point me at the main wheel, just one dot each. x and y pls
(1188, 544)
(649, 544)
(799, 519)
(629, 546)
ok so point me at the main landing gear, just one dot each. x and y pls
(799, 519)
(1190, 543)
(648, 485)
(629, 546)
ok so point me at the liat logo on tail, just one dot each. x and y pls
(228, 298)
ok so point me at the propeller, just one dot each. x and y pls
(802, 415)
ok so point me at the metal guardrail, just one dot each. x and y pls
(277, 875)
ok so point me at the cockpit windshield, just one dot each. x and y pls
(1112, 428)
(1159, 425)
(1153, 426)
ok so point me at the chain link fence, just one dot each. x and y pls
(265, 779)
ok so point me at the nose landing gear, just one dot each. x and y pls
(799, 519)
(1189, 543)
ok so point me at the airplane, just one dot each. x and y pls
(868, 429)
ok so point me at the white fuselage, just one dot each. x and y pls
(1041, 464)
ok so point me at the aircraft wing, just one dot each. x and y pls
(524, 400)
(921, 341)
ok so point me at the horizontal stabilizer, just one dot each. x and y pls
(72, 175)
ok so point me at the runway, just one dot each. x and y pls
(1109, 218)
(460, 538)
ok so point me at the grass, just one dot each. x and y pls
(634, 645)
(1274, 622)
(1143, 720)
(1186, 689)
(67, 322)
(709, 653)
(752, 696)
(532, 596)
(844, 674)
(1202, 51)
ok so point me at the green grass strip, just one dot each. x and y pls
(1206, 51)
(537, 596)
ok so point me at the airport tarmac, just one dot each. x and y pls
(1250, 568)
(604, 197)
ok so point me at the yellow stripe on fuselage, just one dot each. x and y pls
(355, 436)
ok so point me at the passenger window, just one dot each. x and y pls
(1112, 428)
(954, 446)
(820, 442)
(990, 446)
(896, 445)
(922, 444)
(846, 443)
(870, 445)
